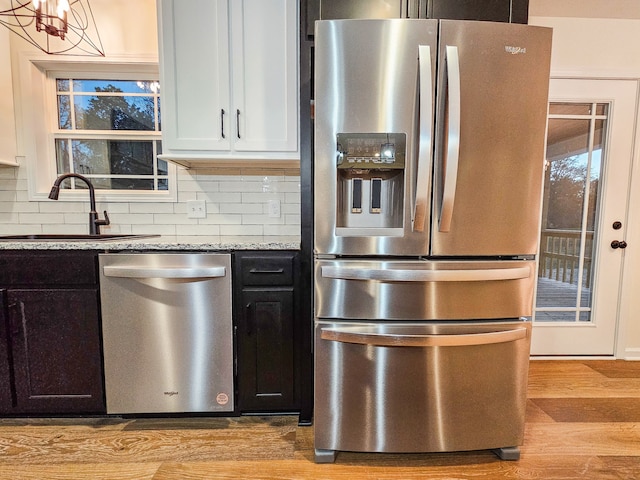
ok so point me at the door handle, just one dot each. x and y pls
(178, 273)
(238, 122)
(400, 275)
(618, 244)
(222, 122)
(400, 340)
(421, 204)
(453, 139)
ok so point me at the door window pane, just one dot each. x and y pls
(574, 165)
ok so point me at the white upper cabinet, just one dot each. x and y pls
(229, 82)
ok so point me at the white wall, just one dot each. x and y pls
(584, 46)
(237, 198)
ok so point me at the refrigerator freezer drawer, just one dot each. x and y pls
(423, 290)
(439, 387)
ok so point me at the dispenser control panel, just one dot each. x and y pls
(371, 150)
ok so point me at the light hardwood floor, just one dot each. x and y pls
(583, 422)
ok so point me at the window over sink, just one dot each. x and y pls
(97, 118)
(109, 131)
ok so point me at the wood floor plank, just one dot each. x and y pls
(73, 471)
(590, 409)
(566, 379)
(607, 439)
(615, 368)
(141, 441)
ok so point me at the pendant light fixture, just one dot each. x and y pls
(51, 16)
(54, 26)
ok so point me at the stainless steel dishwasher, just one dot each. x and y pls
(167, 332)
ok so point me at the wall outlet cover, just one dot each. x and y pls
(196, 209)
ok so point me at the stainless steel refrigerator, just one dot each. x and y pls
(428, 166)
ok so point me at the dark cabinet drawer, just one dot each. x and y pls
(259, 269)
(55, 267)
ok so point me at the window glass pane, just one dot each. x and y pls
(62, 156)
(602, 109)
(62, 84)
(131, 157)
(64, 112)
(163, 167)
(124, 157)
(124, 86)
(114, 113)
(163, 184)
(131, 184)
(570, 108)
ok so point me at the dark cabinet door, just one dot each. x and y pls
(6, 384)
(266, 350)
(513, 11)
(55, 350)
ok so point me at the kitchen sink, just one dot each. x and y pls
(63, 237)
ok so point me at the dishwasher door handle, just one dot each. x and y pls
(399, 340)
(167, 272)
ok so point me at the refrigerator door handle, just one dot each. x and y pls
(399, 275)
(453, 138)
(424, 142)
(399, 340)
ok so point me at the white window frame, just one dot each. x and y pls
(37, 121)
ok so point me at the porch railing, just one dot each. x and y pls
(560, 256)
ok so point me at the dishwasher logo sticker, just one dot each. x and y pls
(171, 394)
(222, 399)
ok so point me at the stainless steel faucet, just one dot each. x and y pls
(94, 220)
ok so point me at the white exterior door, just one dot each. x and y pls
(582, 249)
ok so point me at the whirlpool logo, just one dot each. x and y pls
(514, 50)
(171, 394)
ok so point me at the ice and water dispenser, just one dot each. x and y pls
(370, 180)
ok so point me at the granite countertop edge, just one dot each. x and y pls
(166, 243)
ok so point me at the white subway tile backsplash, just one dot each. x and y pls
(151, 208)
(236, 201)
(242, 230)
(41, 218)
(241, 208)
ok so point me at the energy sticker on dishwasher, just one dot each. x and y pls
(222, 399)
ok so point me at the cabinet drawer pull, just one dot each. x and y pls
(222, 122)
(238, 122)
(259, 271)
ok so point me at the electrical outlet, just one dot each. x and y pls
(274, 208)
(196, 209)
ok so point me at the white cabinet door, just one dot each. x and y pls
(229, 79)
(264, 83)
(194, 82)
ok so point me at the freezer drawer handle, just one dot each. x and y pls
(389, 275)
(453, 139)
(422, 193)
(398, 340)
(144, 272)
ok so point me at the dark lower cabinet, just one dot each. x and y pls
(266, 332)
(50, 349)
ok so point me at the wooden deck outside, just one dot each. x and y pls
(555, 293)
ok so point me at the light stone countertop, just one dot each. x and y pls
(162, 242)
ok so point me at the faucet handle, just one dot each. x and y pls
(106, 220)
